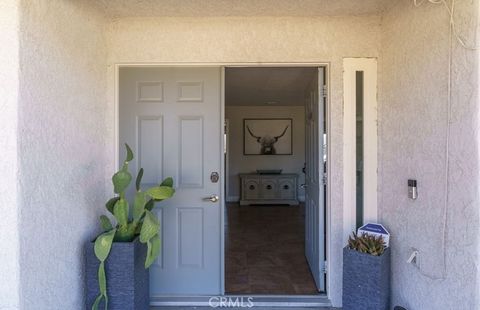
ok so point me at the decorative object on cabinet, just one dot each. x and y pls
(269, 171)
(268, 189)
(267, 136)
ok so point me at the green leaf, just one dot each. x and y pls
(126, 233)
(138, 181)
(121, 180)
(153, 249)
(102, 278)
(105, 223)
(138, 206)
(103, 244)
(111, 203)
(121, 212)
(97, 302)
(129, 153)
(150, 204)
(160, 192)
(150, 227)
(102, 283)
(167, 182)
(138, 228)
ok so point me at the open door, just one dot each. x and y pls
(315, 180)
(172, 119)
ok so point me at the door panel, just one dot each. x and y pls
(149, 141)
(191, 152)
(314, 191)
(190, 238)
(171, 119)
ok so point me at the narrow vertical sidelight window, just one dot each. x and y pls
(359, 146)
(360, 143)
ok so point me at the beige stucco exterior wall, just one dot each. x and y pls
(423, 136)
(61, 147)
(63, 143)
(255, 40)
(9, 236)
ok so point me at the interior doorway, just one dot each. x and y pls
(275, 180)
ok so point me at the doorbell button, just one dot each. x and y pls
(412, 189)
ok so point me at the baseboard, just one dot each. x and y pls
(233, 198)
(237, 199)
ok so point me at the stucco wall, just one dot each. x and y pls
(239, 163)
(62, 148)
(424, 137)
(64, 128)
(9, 236)
(254, 39)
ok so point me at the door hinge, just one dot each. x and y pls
(324, 91)
(324, 179)
(324, 267)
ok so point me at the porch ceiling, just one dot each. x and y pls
(179, 8)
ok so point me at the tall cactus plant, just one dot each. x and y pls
(138, 222)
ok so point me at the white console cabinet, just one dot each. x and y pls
(271, 189)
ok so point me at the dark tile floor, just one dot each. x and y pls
(265, 251)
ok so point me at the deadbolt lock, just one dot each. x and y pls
(214, 177)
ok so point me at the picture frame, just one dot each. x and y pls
(267, 136)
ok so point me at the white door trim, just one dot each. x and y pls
(228, 197)
(222, 180)
(369, 67)
(326, 65)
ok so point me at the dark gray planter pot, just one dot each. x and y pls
(366, 280)
(127, 278)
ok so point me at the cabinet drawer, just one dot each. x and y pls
(251, 189)
(269, 188)
(287, 189)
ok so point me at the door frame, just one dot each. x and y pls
(222, 66)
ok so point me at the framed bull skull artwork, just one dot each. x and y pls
(267, 136)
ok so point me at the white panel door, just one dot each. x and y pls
(171, 119)
(314, 185)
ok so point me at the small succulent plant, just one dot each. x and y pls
(139, 222)
(365, 243)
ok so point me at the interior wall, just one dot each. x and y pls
(9, 237)
(239, 163)
(62, 140)
(422, 137)
(256, 40)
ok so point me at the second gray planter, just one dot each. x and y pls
(366, 280)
